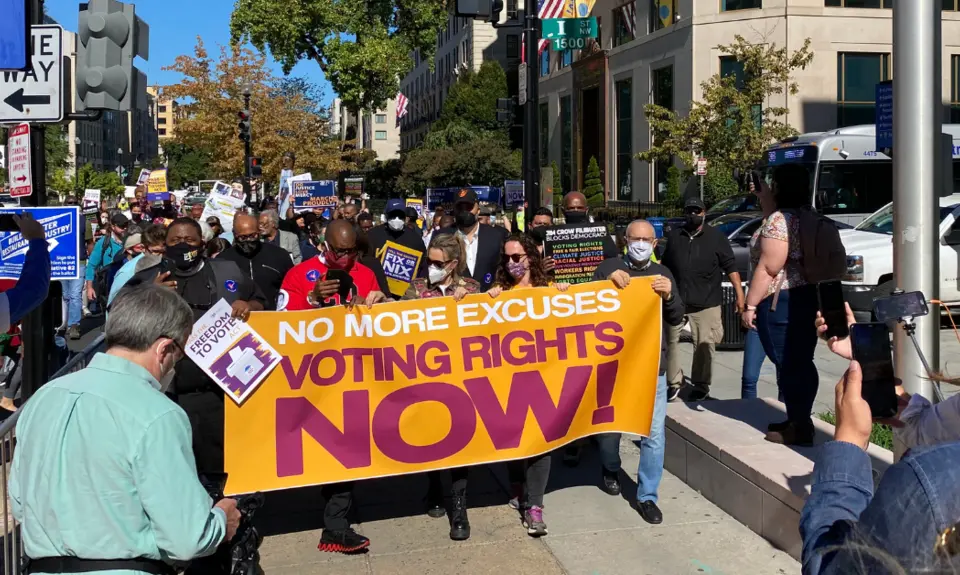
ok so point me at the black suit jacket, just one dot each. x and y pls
(488, 253)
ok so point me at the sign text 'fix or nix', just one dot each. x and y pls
(35, 95)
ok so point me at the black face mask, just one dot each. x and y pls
(248, 248)
(184, 257)
(693, 222)
(575, 217)
(539, 235)
(466, 220)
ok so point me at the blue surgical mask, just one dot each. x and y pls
(640, 251)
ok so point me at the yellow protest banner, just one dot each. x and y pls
(430, 384)
(157, 182)
(400, 265)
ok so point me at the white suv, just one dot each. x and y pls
(869, 249)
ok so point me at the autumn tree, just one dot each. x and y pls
(734, 121)
(363, 47)
(283, 117)
(85, 177)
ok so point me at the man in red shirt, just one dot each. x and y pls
(308, 286)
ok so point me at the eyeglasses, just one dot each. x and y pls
(516, 258)
(248, 237)
(157, 250)
(439, 263)
(693, 211)
(343, 252)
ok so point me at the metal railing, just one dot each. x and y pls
(12, 544)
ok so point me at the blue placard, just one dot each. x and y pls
(439, 196)
(310, 195)
(62, 226)
(158, 196)
(13, 35)
(884, 116)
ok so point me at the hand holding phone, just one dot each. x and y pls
(833, 309)
(345, 286)
(871, 349)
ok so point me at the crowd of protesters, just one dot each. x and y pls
(137, 257)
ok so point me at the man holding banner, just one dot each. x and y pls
(399, 248)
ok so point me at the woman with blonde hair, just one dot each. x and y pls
(445, 266)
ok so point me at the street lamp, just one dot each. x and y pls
(245, 117)
(120, 163)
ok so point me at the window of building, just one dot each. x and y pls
(163, 109)
(951, 5)
(730, 66)
(511, 9)
(544, 110)
(662, 82)
(566, 143)
(161, 121)
(566, 58)
(859, 3)
(380, 135)
(381, 118)
(857, 77)
(662, 14)
(162, 132)
(623, 93)
(513, 46)
(729, 5)
(625, 23)
(545, 62)
(955, 90)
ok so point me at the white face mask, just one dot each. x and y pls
(437, 275)
(395, 224)
(167, 380)
(640, 252)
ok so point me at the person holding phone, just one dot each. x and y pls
(334, 277)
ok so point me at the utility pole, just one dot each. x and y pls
(38, 324)
(917, 127)
(531, 114)
(245, 135)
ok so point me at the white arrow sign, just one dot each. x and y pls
(36, 94)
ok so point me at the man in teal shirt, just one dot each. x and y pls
(103, 477)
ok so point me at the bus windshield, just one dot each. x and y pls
(854, 187)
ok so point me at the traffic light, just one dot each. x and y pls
(111, 36)
(255, 169)
(244, 124)
(505, 110)
(496, 8)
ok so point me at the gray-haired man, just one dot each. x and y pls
(118, 439)
(269, 229)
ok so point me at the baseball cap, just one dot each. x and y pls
(694, 202)
(119, 220)
(412, 212)
(465, 196)
(132, 240)
(395, 205)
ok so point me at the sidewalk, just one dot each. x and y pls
(591, 533)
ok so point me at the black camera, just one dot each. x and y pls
(241, 555)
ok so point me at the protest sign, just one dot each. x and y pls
(400, 265)
(417, 205)
(91, 201)
(224, 208)
(577, 250)
(61, 226)
(143, 178)
(514, 192)
(285, 200)
(157, 184)
(414, 386)
(228, 350)
(130, 192)
(310, 195)
(225, 189)
(353, 186)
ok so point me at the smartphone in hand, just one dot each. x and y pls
(832, 308)
(346, 283)
(871, 348)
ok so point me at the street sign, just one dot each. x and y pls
(21, 178)
(701, 166)
(884, 116)
(13, 35)
(569, 33)
(522, 74)
(36, 95)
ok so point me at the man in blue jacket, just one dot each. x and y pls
(104, 252)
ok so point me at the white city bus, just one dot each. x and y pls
(851, 180)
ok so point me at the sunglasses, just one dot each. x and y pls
(248, 237)
(516, 258)
(439, 263)
(343, 252)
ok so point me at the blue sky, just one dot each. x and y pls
(174, 27)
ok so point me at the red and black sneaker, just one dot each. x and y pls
(342, 541)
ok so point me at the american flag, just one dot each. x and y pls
(545, 9)
(402, 104)
(628, 12)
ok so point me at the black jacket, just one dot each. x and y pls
(699, 263)
(266, 268)
(488, 253)
(673, 310)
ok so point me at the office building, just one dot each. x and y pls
(167, 113)
(378, 131)
(660, 51)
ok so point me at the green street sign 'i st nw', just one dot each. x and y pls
(569, 33)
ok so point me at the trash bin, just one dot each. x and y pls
(733, 332)
(657, 224)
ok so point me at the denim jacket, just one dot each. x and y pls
(846, 528)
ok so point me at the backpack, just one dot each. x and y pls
(102, 276)
(823, 256)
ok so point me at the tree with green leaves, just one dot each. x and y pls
(86, 178)
(363, 47)
(186, 164)
(733, 122)
(593, 184)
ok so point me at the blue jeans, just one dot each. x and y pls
(73, 296)
(789, 339)
(650, 471)
(753, 356)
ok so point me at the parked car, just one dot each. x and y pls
(869, 249)
(746, 203)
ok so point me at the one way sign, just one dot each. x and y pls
(36, 94)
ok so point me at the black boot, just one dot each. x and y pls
(459, 524)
